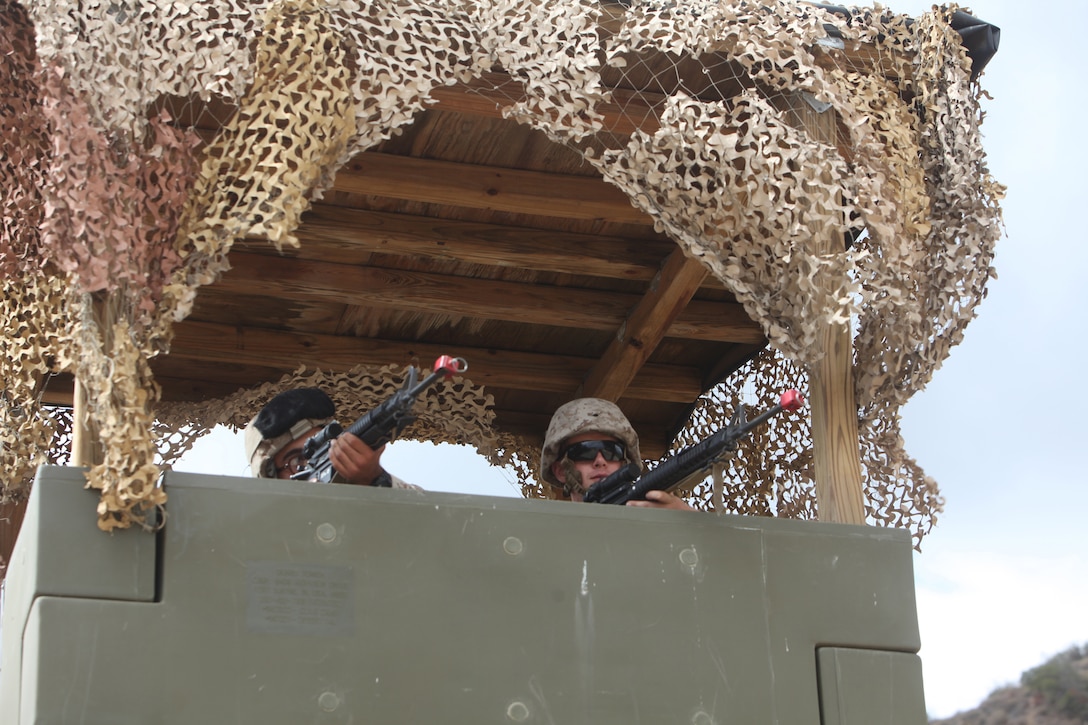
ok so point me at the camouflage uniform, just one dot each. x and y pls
(283, 420)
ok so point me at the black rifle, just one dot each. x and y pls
(377, 427)
(625, 484)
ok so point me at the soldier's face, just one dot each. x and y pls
(585, 473)
(289, 461)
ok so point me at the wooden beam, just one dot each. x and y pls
(213, 342)
(625, 112)
(61, 395)
(349, 236)
(485, 187)
(268, 275)
(645, 327)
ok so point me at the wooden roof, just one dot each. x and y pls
(475, 236)
(472, 235)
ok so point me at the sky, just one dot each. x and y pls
(1002, 580)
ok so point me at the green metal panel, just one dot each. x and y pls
(286, 602)
(61, 552)
(862, 687)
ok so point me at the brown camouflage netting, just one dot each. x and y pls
(113, 219)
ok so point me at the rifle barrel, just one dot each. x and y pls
(622, 487)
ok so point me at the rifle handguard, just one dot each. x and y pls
(378, 426)
(623, 485)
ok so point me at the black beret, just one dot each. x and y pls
(288, 408)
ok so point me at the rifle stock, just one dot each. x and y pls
(626, 485)
(379, 425)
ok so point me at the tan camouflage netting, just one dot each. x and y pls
(113, 218)
(452, 410)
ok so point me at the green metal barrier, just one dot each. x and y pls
(270, 602)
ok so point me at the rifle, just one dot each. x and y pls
(378, 426)
(625, 484)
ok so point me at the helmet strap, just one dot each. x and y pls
(572, 477)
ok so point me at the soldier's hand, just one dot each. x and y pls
(662, 500)
(354, 460)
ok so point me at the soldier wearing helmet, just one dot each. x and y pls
(589, 439)
(274, 440)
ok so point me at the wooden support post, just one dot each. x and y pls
(836, 450)
(87, 449)
(86, 446)
(839, 489)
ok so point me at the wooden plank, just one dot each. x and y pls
(212, 342)
(466, 296)
(645, 327)
(483, 187)
(349, 236)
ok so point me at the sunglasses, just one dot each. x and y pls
(293, 464)
(588, 450)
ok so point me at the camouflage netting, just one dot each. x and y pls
(453, 410)
(770, 134)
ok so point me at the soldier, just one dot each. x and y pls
(275, 437)
(588, 439)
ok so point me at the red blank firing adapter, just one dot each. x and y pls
(791, 400)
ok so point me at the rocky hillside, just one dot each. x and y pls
(1054, 693)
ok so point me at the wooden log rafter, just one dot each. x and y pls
(217, 343)
(643, 330)
(478, 298)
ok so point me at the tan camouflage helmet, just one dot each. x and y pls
(286, 417)
(585, 415)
